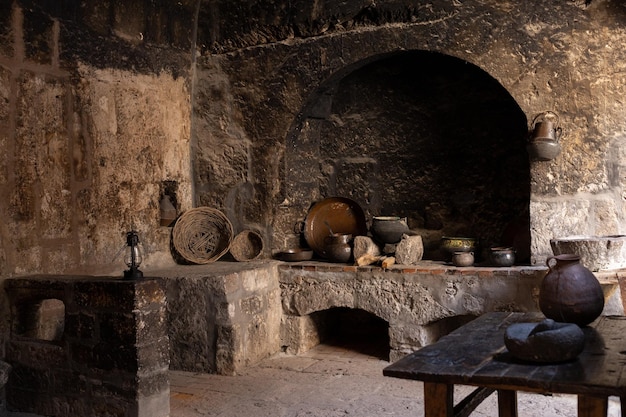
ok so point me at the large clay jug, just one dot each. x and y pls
(570, 292)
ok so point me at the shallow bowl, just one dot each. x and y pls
(295, 255)
(458, 244)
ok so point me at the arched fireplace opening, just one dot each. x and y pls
(420, 135)
(354, 329)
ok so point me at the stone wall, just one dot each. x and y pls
(95, 129)
(260, 71)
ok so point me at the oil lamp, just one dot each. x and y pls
(133, 256)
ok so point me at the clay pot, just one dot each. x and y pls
(502, 256)
(388, 229)
(463, 258)
(569, 292)
(337, 247)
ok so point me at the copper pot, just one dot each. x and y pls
(543, 143)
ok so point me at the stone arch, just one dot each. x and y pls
(266, 104)
(334, 147)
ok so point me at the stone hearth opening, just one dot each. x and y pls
(364, 332)
(353, 328)
(421, 135)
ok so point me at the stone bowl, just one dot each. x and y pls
(595, 252)
(546, 342)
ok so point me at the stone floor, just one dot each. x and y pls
(329, 381)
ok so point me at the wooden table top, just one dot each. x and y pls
(475, 354)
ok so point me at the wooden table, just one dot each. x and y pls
(475, 355)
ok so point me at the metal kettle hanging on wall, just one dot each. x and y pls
(543, 143)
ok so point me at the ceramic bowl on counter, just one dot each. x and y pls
(295, 255)
(388, 229)
(502, 256)
(458, 244)
(463, 258)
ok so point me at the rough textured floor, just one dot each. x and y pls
(329, 381)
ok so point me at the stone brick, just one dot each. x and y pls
(38, 35)
(5, 97)
(607, 217)
(149, 294)
(118, 328)
(252, 306)
(6, 29)
(32, 379)
(97, 15)
(153, 357)
(36, 354)
(151, 325)
(41, 146)
(298, 334)
(129, 18)
(157, 405)
(152, 384)
(114, 294)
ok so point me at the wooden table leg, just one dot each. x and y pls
(507, 403)
(589, 406)
(438, 400)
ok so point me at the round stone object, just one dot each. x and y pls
(546, 342)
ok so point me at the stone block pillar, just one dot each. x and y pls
(84, 346)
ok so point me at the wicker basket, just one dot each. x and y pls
(247, 246)
(202, 235)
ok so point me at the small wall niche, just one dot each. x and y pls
(40, 319)
(168, 203)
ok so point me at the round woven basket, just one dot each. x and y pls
(202, 235)
(247, 246)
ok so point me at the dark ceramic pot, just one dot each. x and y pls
(569, 292)
(338, 248)
(502, 256)
(388, 229)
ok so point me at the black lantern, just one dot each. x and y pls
(133, 256)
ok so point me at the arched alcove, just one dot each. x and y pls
(421, 135)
